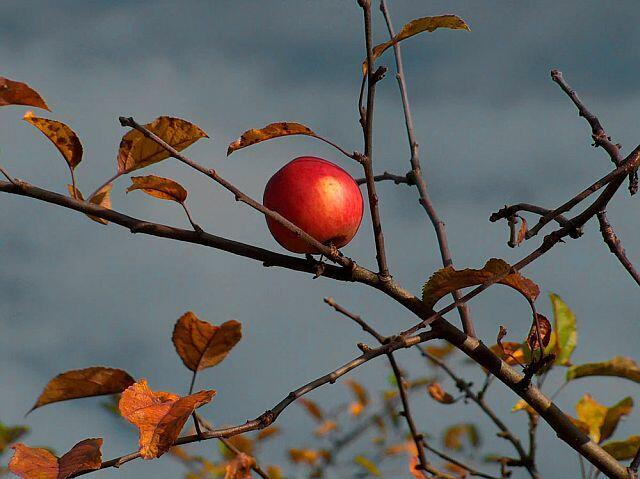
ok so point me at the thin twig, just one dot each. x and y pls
(509, 211)
(367, 160)
(421, 185)
(194, 225)
(110, 180)
(386, 176)
(8, 177)
(615, 246)
(362, 323)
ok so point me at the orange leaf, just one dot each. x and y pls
(306, 456)
(17, 93)
(101, 198)
(137, 151)
(449, 279)
(545, 334)
(273, 130)
(159, 187)
(325, 428)
(439, 394)
(312, 408)
(419, 25)
(241, 443)
(82, 383)
(159, 416)
(268, 432)
(240, 467)
(63, 137)
(522, 231)
(201, 345)
(37, 463)
(441, 352)
(359, 391)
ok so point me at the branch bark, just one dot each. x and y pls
(611, 239)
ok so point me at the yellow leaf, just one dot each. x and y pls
(82, 383)
(63, 137)
(38, 463)
(613, 416)
(523, 405)
(367, 465)
(273, 130)
(449, 279)
(441, 351)
(159, 187)
(101, 198)
(159, 416)
(18, 93)
(304, 456)
(137, 151)
(419, 25)
(591, 413)
(623, 450)
(619, 366)
(201, 345)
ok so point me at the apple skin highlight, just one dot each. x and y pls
(317, 196)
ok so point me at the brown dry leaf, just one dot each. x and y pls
(304, 456)
(419, 25)
(453, 436)
(458, 471)
(101, 198)
(448, 279)
(137, 151)
(267, 433)
(240, 467)
(441, 352)
(439, 394)
(18, 93)
(82, 383)
(312, 408)
(545, 334)
(325, 428)
(522, 231)
(273, 130)
(159, 416)
(63, 137)
(37, 463)
(159, 187)
(202, 345)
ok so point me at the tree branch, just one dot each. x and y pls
(446, 457)
(418, 179)
(386, 176)
(615, 246)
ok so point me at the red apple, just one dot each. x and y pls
(317, 196)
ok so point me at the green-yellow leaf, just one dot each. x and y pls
(591, 413)
(623, 450)
(367, 465)
(10, 434)
(419, 25)
(449, 279)
(566, 335)
(137, 151)
(613, 416)
(619, 366)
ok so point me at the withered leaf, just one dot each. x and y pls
(101, 198)
(453, 436)
(360, 393)
(18, 93)
(619, 366)
(273, 130)
(304, 456)
(623, 450)
(613, 416)
(81, 383)
(137, 151)
(240, 467)
(448, 279)
(510, 352)
(159, 416)
(159, 187)
(419, 25)
(522, 231)
(436, 392)
(63, 137)
(37, 463)
(545, 333)
(312, 408)
(267, 433)
(202, 345)
(325, 428)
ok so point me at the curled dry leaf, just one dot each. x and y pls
(419, 25)
(18, 93)
(449, 279)
(202, 345)
(159, 416)
(312, 408)
(159, 187)
(240, 467)
(81, 383)
(37, 463)
(522, 231)
(545, 333)
(137, 151)
(273, 130)
(619, 366)
(63, 137)
(101, 198)
(325, 428)
(439, 394)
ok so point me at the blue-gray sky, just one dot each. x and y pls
(493, 129)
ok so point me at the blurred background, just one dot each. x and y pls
(493, 129)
